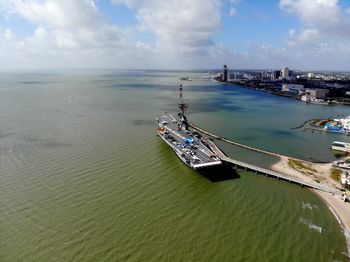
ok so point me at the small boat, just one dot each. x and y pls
(313, 100)
(341, 146)
(186, 78)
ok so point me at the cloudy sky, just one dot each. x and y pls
(175, 34)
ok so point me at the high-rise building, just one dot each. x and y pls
(224, 73)
(234, 75)
(275, 74)
(285, 72)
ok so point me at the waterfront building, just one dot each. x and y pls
(285, 73)
(293, 89)
(344, 122)
(317, 93)
(315, 96)
(234, 76)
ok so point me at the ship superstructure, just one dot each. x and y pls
(188, 145)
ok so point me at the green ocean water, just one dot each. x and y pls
(83, 177)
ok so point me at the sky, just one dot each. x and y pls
(175, 34)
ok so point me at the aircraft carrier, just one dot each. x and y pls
(188, 145)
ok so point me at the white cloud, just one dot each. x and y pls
(233, 11)
(74, 33)
(306, 36)
(67, 33)
(179, 26)
(320, 19)
(324, 23)
(70, 24)
(8, 34)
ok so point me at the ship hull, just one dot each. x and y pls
(177, 152)
(190, 149)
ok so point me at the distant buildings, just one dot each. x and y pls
(317, 93)
(293, 89)
(316, 96)
(285, 73)
(275, 75)
(235, 76)
(313, 87)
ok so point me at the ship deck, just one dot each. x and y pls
(186, 143)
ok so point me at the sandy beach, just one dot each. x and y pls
(311, 173)
(321, 174)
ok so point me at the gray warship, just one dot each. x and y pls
(191, 148)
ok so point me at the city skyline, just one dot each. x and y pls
(153, 34)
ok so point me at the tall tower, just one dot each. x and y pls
(224, 73)
(182, 105)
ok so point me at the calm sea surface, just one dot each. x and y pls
(83, 177)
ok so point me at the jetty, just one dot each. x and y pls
(236, 164)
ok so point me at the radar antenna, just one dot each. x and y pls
(182, 105)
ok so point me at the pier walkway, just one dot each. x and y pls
(259, 170)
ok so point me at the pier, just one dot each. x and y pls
(237, 144)
(259, 170)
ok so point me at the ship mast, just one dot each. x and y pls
(182, 105)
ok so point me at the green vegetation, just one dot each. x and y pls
(339, 154)
(315, 121)
(319, 122)
(322, 123)
(298, 165)
(336, 174)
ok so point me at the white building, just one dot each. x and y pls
(345, 122)
(285, 72)
(345, 179)
(234, 76)
(293, 89)
(317, 93)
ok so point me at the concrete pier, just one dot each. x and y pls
(259, 170)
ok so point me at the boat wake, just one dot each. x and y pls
(309, 206)
(311, 225)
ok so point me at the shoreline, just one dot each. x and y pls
(338, 213)
(339, 208)
(277, 93)
(308, 172)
